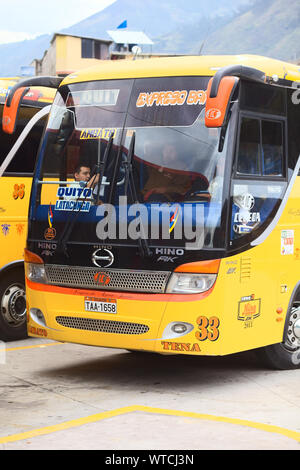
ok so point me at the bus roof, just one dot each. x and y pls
(184, 65)
(37, 96)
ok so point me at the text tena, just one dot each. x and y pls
(245, 217)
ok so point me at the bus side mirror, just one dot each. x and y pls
(16, 94)
(217, 106)
(11, 109)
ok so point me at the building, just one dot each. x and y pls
(68, 53)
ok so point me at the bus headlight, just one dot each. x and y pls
(36, 273)
(181, 283)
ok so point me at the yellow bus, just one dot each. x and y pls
(18, 150)
(186, 238)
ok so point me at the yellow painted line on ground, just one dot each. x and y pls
(33, 346)
(129, 409)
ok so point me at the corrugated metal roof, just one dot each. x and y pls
(129, 37)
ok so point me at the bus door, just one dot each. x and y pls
(18, 154)
(84, 131)
(258, 186)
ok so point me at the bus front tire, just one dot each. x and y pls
(285, 355)
(13, 306)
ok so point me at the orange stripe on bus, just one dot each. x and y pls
(203, 267)
(119, 295)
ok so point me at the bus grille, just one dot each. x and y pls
(118, 279)
(104, 326)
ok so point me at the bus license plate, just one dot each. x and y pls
(97, 305)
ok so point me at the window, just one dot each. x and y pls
(263, 98)
(249, 148)
(260, 148)
(91, 49)
(87, 48)
(97, 50)
(272, 148)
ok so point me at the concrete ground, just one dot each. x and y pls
(66, 396)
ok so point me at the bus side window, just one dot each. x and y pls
(260, 148)
(249, 147)
(272, 148)
(24, 160)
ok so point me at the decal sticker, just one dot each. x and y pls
(167, 259)
(47, 253)
(20, 229)
(245, 216)
(74, 199)
(93, 98)
(169, 251)
(213, 113)
(50, 216)
(74, 192)
(231, 271)
(249, 309)
(170, 346)
(74, 206)
(98, 133)
(173, 219)
(294, 212)
(287, 242)
(19, 191)
(244, 221)
(50, 233)
(38, 331)
(208, 328)
(244, 201)
(5, 229)
(242, 229)
(171, 98)
(297, 254)
(48, 248)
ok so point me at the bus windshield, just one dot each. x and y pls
(175, 158)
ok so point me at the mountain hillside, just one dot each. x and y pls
(154, 17)
(270, 27)
(267, 28)
(16, 54)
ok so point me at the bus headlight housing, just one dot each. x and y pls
(36, 273)
(182, 283)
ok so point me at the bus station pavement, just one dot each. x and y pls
(67, 396)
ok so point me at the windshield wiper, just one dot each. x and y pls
(99, 169)
(129, 182)
(101, 164)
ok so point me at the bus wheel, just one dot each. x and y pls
(285, 355)
(13, 306)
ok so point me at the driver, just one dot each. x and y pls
(165, 183)
(169, 184)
